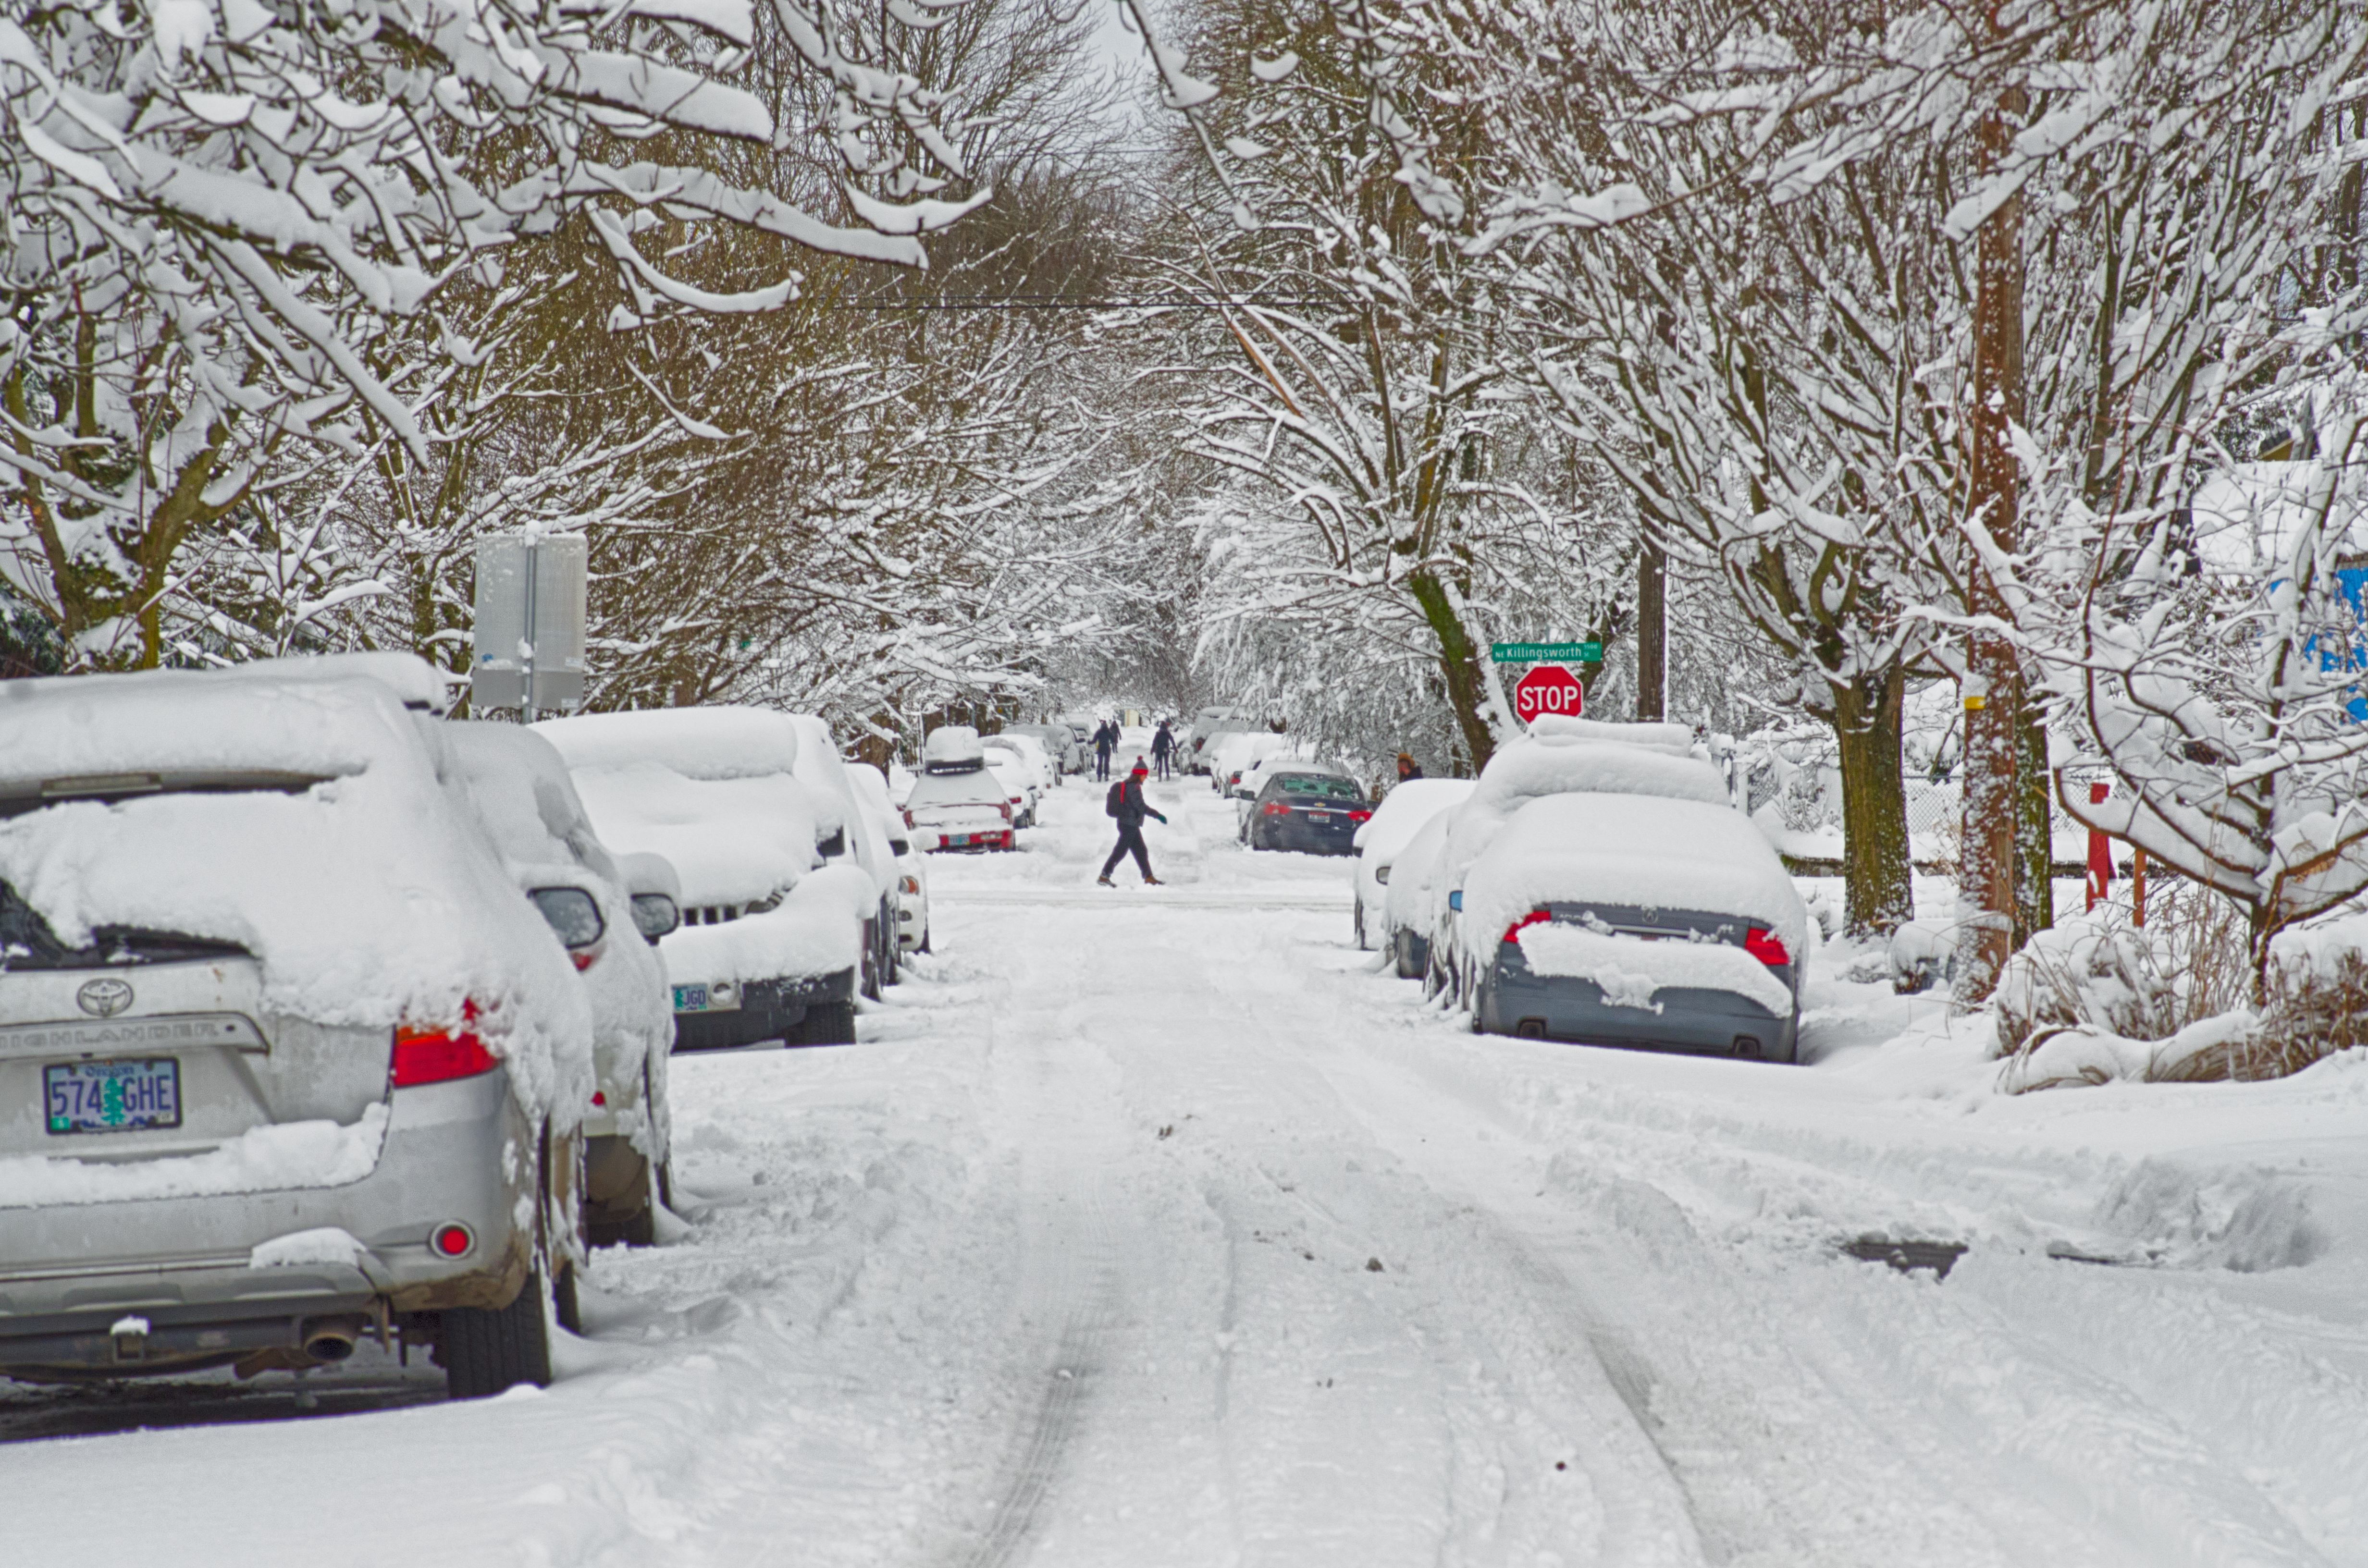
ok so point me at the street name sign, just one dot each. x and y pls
(1544, 652)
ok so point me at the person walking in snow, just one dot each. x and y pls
(1163, 745)
(1105, 743)
(1127, 804)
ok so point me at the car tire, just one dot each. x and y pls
(488, 1349)
(828, 1023)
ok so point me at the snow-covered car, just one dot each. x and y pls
(1060, 744)
(288, 1058)
(1401, 814)
(1239, 752)
(515, 785)
(912, 896)
(1018, 783)
(771, 946)
(1604, 891)
(958, 799)
(1305, 807)
(1406, 908)
(1244, 784)
(848, 829)
(1042, 770)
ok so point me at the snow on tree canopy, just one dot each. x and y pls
(325, 846)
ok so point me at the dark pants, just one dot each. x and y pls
(1102, 765)
(1160, 757)
(1130, 836)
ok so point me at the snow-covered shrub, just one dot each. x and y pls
(2099, 975)
(2316, 1001)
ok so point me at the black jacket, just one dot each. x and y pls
(1106, 738)
(1131, 807)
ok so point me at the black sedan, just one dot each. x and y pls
(1317, 813)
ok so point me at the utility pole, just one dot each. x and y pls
(1992, 688)
(1652, 629)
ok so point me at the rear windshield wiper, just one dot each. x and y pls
(28, 942)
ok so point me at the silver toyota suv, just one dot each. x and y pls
(287, 1061)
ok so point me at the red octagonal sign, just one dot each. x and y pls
(1548, 689)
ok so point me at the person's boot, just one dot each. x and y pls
(1106, 882)
(1152, 882)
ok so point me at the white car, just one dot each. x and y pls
(1408, 898)
(516, 787)
(958, 799)
(912, 896)
(1401, 815)
(858, 836)
(772, 943)
(1019, 782)
(1603, 889)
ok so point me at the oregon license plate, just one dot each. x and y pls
(112, 1097)
(703, 999)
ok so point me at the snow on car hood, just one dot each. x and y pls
(697, 743)
(1629, 849)
(731, 840)
(367, 900)
(817, 929)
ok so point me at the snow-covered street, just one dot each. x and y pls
(1162, 1226)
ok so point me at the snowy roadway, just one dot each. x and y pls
(1154, 1227)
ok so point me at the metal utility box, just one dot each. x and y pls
(529, 630)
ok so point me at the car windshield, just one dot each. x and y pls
(1314, 787)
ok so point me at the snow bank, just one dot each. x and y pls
(1635, 849)
(262, 1159)
(367, 899)
(1632, 971)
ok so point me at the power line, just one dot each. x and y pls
(1071, 302)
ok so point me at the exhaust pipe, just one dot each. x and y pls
(332, 1339)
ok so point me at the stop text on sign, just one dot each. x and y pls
(1548, 689)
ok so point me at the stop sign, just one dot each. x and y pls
(1548, 689)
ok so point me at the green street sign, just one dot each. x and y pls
(1544, 652)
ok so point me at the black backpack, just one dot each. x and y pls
(1117, 793)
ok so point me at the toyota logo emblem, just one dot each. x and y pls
(104, 998)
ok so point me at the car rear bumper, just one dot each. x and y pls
(186, 1267)
(1693, 1022)
(1303, 837)
(768, 1009)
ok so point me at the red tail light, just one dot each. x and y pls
(1534, 918)
(1767, 947)
(1361, 816)
(1274, 808)
(583, 956)
(436, 1056)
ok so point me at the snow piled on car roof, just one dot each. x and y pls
(367, 900)
(697, 743)
(1629, 849)
(1403, 812)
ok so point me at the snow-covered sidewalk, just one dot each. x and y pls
(1155, 1227)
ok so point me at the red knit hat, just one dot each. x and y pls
(1139, 769)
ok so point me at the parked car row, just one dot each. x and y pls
(1593, 885)
(322, 1018)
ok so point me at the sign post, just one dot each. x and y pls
(1548, 689)
(530, 624)
(1546, 652)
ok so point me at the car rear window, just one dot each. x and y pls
(1318, 787)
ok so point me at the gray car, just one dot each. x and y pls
(287, 1061)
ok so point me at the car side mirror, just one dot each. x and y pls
(1455, 901)
(571, 914)
(654, 914)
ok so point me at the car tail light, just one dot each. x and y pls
(452, 1239)
(583, 956)
(911, 885)
(1274, 808)
(1006, 810)
(1767, 947)
(909, 822)
(436, 1056)
(1361, 816)
(1534, 918)
(600, 1097)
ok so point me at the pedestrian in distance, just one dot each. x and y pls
(1127, 804)
(1105, 743)
(1163, 746)
(1408, 768)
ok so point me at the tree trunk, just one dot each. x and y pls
(1652, 631)
(2034, 840)
(1459, 666)
(1993, 677)
(1877, 893)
